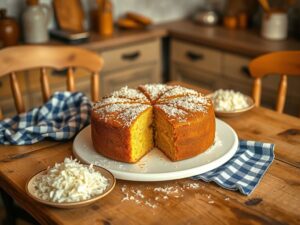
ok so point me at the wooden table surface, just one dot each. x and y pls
(276, 200)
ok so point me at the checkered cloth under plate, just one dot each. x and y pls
(245, 169)
(59, 119)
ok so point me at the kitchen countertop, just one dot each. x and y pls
(245, 42)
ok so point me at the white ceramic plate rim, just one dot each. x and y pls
(133, 176)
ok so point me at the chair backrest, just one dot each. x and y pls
(22, 58)
(284, 63)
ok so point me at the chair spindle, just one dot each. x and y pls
(70, 80)
(281, 94)
(257, 91)
(19, 102)
(95, 87)
(45, 85)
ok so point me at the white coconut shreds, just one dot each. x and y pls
(229, 100)
(70, 181)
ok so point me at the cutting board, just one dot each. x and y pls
(69, 14)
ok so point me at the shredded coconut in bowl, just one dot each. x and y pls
(229, 100)
(70, 181)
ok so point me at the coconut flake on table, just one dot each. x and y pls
(70, 181)
(229, 100)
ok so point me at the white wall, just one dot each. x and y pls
(158, 10)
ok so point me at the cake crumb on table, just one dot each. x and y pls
(153, 196)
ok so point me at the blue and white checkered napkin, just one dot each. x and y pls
(245, 169)
(59, 119)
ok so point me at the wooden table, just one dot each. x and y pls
(276, 200)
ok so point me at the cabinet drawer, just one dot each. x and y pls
(189, 75)
(131, 77)
(236, 67)
(131, 56)
(197, 56)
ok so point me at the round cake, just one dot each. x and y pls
(127, 124)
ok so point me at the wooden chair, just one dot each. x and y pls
(22, 58)
(284, 63)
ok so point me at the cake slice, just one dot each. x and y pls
(184, 126)
(122, 131)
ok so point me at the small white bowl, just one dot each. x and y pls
(236, 112)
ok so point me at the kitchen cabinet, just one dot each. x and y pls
(214, 69)
(132, 65)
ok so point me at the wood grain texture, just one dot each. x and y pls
(276, 200)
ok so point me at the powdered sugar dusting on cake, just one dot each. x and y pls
(129, 93)
(155, 90)
(125, 113)
(111, 100)
(179, 91)
(190, 103)
(129, 115)
(173, 112)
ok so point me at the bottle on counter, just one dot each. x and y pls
(9, 30)
(105, 17)
(36, 18)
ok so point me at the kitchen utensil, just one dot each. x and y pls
(30, 189)
(265, 5)
(36, 18)
(69, 15)
(206, 17)
(9, 30)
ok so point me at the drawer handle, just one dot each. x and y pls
(245, 70)
(131, 56)
(194, 56)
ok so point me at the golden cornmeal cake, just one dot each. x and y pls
(127, 124)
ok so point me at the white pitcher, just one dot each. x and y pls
(35, 20)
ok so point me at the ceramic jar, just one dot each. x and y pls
(9, 30)
(275, 26)
(35, 19)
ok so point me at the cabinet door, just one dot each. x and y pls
(194, 76)
(131, 78)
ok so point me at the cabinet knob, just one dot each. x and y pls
(194, 56)
(131, 56)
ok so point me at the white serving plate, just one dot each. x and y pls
(155, 166)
